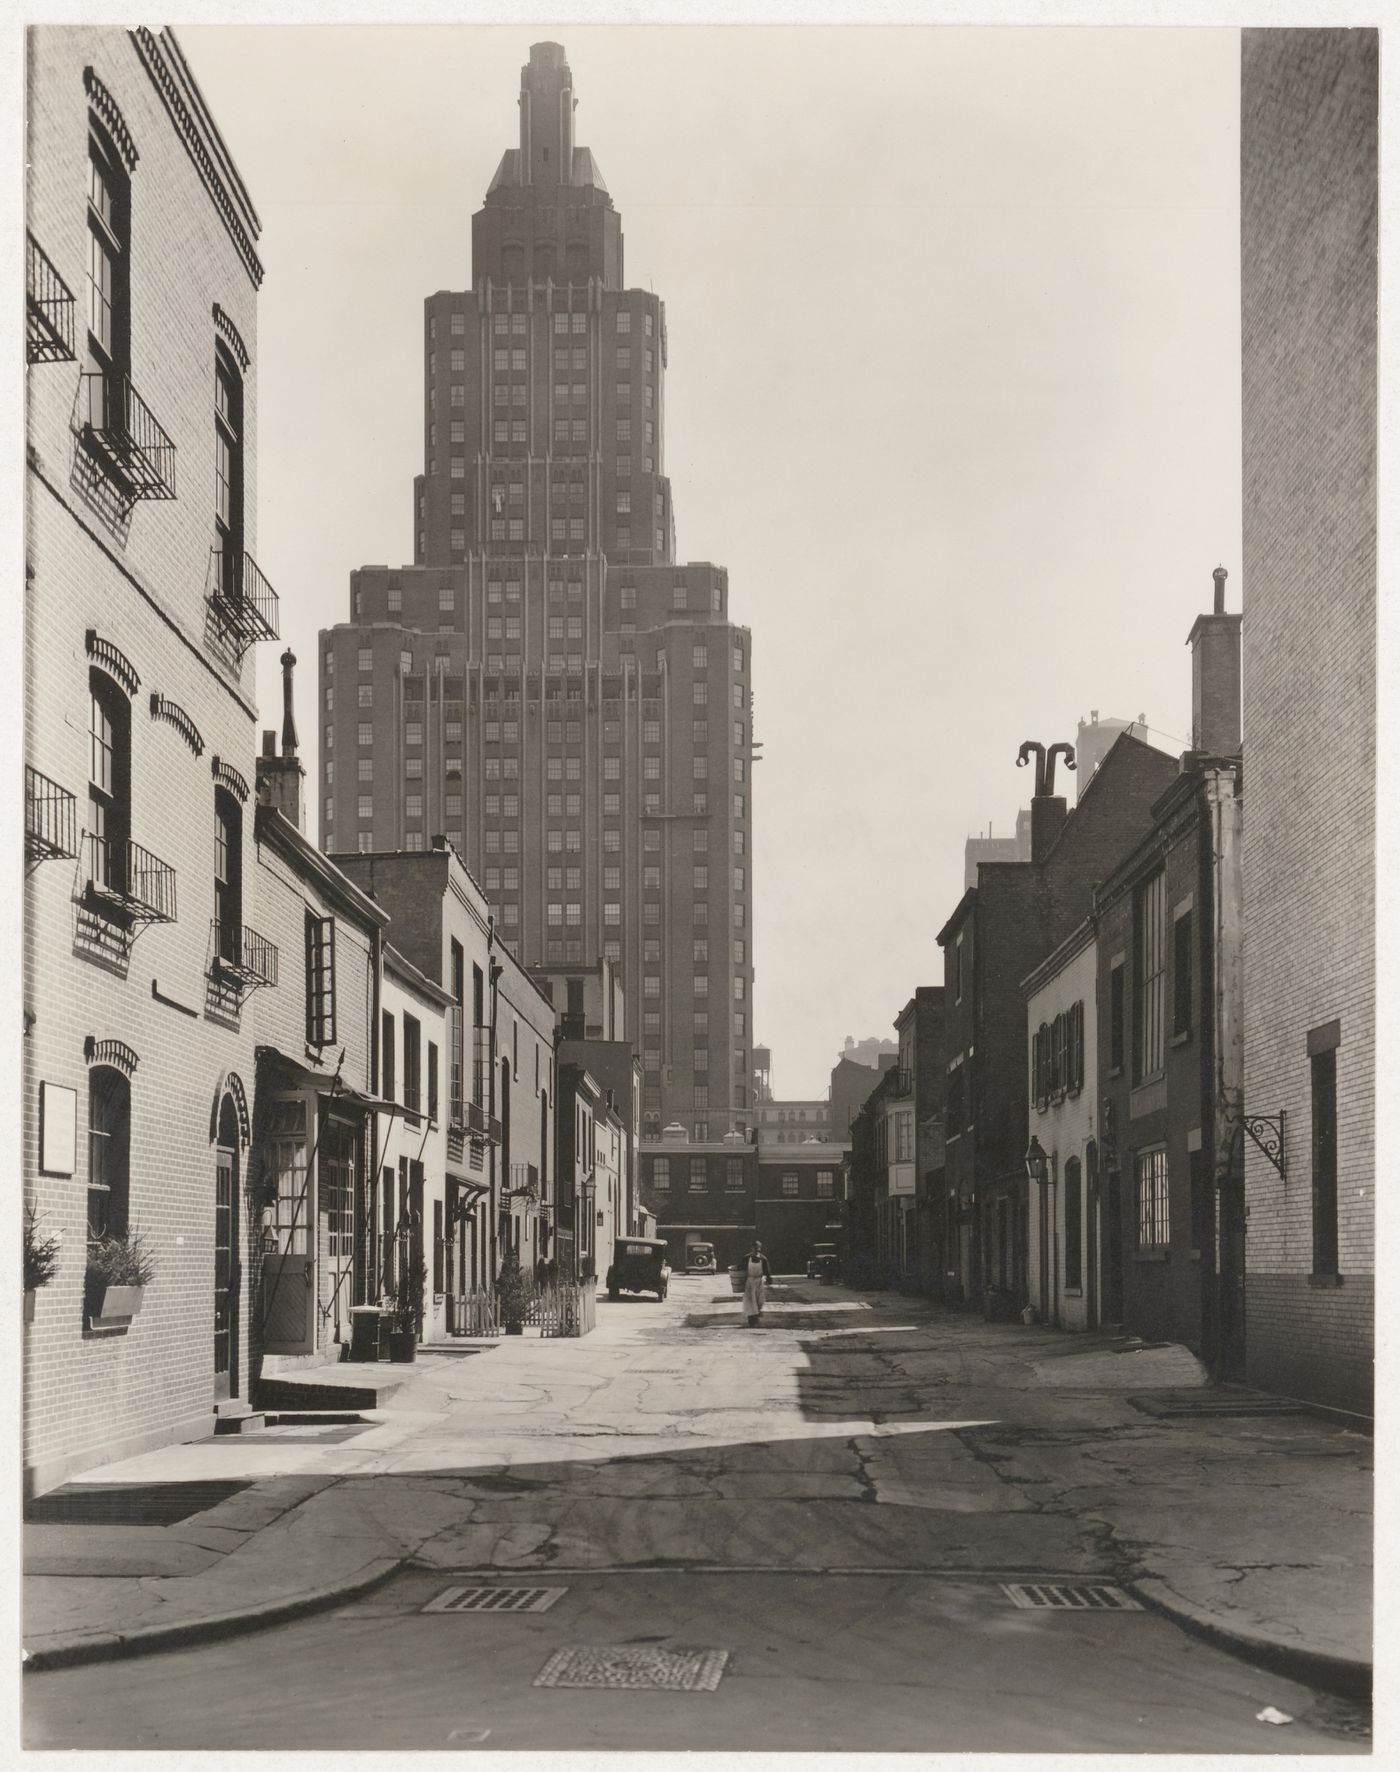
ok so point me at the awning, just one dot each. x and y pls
(297, 1075)
(466, 1181)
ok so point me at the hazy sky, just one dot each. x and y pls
(953, 393)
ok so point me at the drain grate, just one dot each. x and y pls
(634, 1670)
(495, 1599)
(1052, 1596)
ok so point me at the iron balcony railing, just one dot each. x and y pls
(901, 1083)
(49, 309)
(244, 603)
(243, 955)
(122, 433)
(524, 1181)
(50, 818)
(130, 878)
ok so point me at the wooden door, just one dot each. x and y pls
(226, 1274)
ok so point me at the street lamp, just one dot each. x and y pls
(1037, 1163)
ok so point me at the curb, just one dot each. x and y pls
(155, 1638)
(1311, 1667)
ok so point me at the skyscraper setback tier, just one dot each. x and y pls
(545, 685)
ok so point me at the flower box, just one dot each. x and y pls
(117, 1305)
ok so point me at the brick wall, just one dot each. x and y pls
(139, 579)
(1308, 212)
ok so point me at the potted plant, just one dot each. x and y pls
(511, 1292)
(408, 1313)
(40, 1260)
(119, 1268)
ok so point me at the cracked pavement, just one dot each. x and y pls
(849, 1432)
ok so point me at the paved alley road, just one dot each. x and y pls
(828, 1505)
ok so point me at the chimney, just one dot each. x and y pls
(1215, 678)
(281, 779)
(1048, 815)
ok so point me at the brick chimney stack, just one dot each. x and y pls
(281, 779)
(1215, 678)
(1048, 815)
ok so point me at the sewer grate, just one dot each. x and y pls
(1050, 1596)
(495, 1599)
(1210, 1404)
(582, 1668)
(126, 1504)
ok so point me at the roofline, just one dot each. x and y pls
(404, 970)
(960, 909)
(1080, 937)
(271, 826)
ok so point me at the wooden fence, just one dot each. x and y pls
(556, 1308)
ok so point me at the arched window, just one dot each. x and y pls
(109, 782)
(228, 876)
(109, 1144)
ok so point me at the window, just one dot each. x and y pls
(826, 1184)
(699, 768)
(1149, 977)
(109, 319)
(228, 472)
(228, 876)
(624, 320)
(1324, 1159)
(661, 1174)
(1154, 1218)
(700, 693)
(578, 323)
(1116, 1023)
(109, 1140)
(320, 980)
(412, 1064)
(791, 1185)
(1074, 1225)
(364, 806)
(733, 1175)
(109, 781)
(699, 1180)
(1181, 975)
(387, 1068)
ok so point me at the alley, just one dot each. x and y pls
(834, 1502)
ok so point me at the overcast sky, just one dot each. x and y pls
(953, 393)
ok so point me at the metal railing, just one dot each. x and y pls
(901, 1082)
(49, 309)
(141, 883)
(122, 432)
(241, 953)
(50, 818)
(244, 603)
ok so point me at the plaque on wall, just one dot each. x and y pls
(58, 1129)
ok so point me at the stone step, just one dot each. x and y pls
(315, 1390)
(240, 1419)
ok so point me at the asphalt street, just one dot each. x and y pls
(816, 1520)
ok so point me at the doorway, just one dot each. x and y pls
(227, 1269)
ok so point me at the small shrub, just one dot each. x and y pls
(40, 1253)
(119, 1261)
(511, 1289)
(408, 1298)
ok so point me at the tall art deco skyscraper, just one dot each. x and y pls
(546, 686)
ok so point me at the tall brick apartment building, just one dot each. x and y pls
(143, 604)
(546, 685)
(1308, 214)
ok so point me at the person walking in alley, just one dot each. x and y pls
(758, 1274)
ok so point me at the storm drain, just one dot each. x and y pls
(1047, 1596)
(495, 1599)
(634, 1670)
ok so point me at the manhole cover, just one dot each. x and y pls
(634, 1670)
(1047, 1596)
(495, 1599)
(126, 1504)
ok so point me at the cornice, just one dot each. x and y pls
(201, 141)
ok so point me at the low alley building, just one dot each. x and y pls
(1064, 1235)
(1003, 927)
(701, 1192)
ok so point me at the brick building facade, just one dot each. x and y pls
(143, 601)
(546, 684)
(1308, 204)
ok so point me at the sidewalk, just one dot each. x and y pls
(980, 1444)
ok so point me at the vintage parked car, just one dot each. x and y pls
(700, 1258)
(823, 1262)
(638, 1265)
